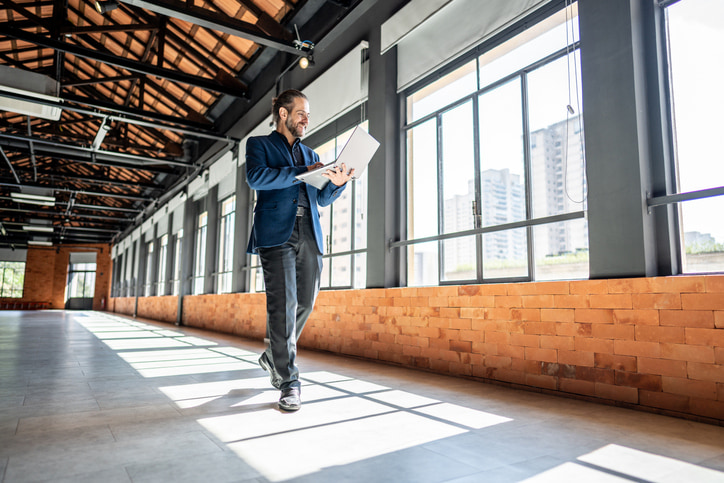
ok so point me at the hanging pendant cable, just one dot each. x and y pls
(570, 110)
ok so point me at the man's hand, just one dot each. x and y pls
(338, 175)
(314, 166)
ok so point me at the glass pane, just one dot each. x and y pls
(360, 216)
(342, 222)
(561, 250)
(326, 152)
(458, 169)
(539, 41)
(459, 259)
(442, 92)
(422, 264)
(703, 237)
(256, 275)
(505, 254)
(325, 220)
(556, 143)
(422, 181)
(696, 48)
(360, 271)
(90, 284)
(501, 155)
(341, 271)
(324, 279)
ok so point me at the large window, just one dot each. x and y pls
(695, 36)
(200, 254)
(162, 256)
(344, 224)
(12, 278)
(495, 165)
(178, 250)
(81, 280)
(226, 245)
(148, 285)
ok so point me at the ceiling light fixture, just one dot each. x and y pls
(307, 61)
(104, 6)
(40, 243)
(43, 228)
(33, 199)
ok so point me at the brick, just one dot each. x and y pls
(709, 409)
(507, 301)
(461, 346)
(678, 284)
(556, 342)
(705, 372)
(482, 301)
(495, 289)
(656, 301)
(705, 337)
(617, 393)
(588, 344)
(637, 348)
(702, 301)
(608, 331)
(611, 301)
(619, 363)
(524, 340)
(719, 355)
(576, 358)
(544, 355)
(584, 287)
(703, 319)
(484, 348)
(687, 387)
(511, 376)
(594, 316)
(683, 352)
(524, 288)
(662, 367)
(719, 319)
(511, 351)
(571, 301)
(537, 301)
(500, 313)
(545, 382)
(715, 283)
(547, 328)
(526, 366)
(636, 317)
(662, 400)
(468, 289)
(557, 315)
(525, 314)
(574, 386)
(497, 337)
(650, 382)
(629, 285)
(595, 374)
(499, 362)
(660, 334)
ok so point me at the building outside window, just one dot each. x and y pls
(226, 245)
(697, 101)
(162, 255)
(148, 285)
(178, 246)
(200, 254)
(81, 280)
(12, 278)
(344, 224)
(495, 164)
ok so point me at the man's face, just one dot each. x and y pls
(297, 119)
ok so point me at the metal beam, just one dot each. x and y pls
(134, 66)
(222, 23)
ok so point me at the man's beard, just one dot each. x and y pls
(297, 129)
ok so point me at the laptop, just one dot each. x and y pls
(356, 154)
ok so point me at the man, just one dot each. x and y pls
(287, 235)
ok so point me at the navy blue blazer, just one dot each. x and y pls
(271, 172)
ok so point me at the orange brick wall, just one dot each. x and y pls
(655, 343)
(46, 275)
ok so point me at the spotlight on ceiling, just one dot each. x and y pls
(307, 61)
(104, 6)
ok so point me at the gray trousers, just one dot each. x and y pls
(291, 275)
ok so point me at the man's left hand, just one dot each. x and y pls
(338, 175)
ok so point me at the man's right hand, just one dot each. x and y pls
(316, 165)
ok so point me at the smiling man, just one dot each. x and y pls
(287, 235)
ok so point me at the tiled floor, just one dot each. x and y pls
(88, 396)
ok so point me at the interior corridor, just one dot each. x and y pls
(91, 396)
